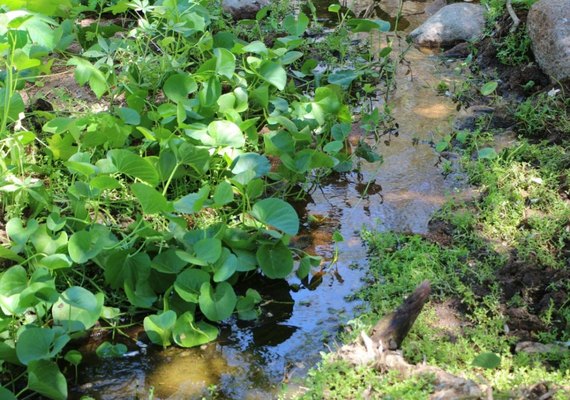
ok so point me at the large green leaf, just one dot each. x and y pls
(45, 378)
(208, 251)
(211, 91)
(36, 343)
(5, 394)
(188, 333)
(46, 244)
(133, 165)
(189, 282)
(247, 162)
(225, 134)
(85, 245)
(276, 261)
(226, 266)
(19, 234)
(273, 73)
(159, 327)
(487, 360)
(193, 202)
(217, 303)
(77, 309)
(152, 201)
(168, 262)
(177, 87)
(87, 72)
(14, 280)
(344, 78)
(223, 194)
(367, 25)
(277, 213)
(225, 62)
(14, 107)
(296, 25)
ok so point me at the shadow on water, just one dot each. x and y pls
(251, 359)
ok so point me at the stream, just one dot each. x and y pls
(250, 360)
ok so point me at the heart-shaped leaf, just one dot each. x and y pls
(276, 261)
(159, 327)
(217, 303)
(45, 378)
(78, 309)
(152, 201)
(277, 213)
(189, 282)
(188, 333)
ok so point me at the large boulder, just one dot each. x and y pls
(243, 9)
(548, 25)
(453, 24)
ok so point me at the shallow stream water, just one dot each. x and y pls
(251, 360)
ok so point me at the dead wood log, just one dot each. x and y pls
(394, 327)
(380, 351)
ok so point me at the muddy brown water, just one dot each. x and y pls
(251, 360)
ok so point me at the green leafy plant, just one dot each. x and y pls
(157, 204)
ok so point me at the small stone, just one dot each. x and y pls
(243, 9)
(535, 347)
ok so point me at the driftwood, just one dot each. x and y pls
(380, 349)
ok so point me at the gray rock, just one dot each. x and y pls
(453, 24)
(243, 9)
(548, 25)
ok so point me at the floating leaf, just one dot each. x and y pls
(108, 350)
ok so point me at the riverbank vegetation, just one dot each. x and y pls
(499, 263)
(147, 154)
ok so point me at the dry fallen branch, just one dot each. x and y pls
(380, 350)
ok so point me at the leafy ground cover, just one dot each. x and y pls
(499, 265)
(153, 181)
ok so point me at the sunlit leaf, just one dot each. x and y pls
(189, 333)
(277, 213)
(159, 327)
